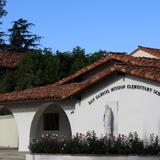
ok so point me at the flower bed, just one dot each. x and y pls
(91, 144)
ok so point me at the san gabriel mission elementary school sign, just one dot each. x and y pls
(128, 86)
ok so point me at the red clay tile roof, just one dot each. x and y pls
(143, 62)
(153, 51)
(46, 92)
(9, 60)
(141, 67)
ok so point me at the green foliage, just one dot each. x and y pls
(2, 34)
(70, 62)
(64, 61)
(97, 55)
(20, 37)
(91, 144)
(41, 67)
(7, 80)
(152, 145)
(3, 12)
(35, 69)
(79, 59)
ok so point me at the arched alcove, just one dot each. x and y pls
(8, 129)
(50, 119)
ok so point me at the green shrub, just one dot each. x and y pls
(91, 144)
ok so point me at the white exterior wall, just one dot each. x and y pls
(141, 53)
(24, 114)
(138, 110)
(8, 132)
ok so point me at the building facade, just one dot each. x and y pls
(117, 94)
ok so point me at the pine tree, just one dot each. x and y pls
(3, 12)
(20, 37)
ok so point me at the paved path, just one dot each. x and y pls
(11, 154)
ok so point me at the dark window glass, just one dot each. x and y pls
(51, 121)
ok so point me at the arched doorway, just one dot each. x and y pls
(8, 129)
(50, 119)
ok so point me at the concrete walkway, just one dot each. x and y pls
(11, 154)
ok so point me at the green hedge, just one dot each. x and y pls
(91, 144)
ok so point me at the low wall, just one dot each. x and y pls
(70, 157)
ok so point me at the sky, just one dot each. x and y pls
(112, 25)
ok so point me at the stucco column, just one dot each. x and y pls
(24, 116)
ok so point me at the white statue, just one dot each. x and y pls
(108, 120)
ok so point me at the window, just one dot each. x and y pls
(51, 121)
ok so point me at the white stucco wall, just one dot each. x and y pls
(134, 110)
(27, 121)
(24, 114)
(8, 132)
(141, 53)
(138, 110)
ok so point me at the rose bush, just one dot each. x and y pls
(91, 144)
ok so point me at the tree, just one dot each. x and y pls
(7, 81)
(3, 12)
(79, 59)
(96, 56)
(64, 63)
(20, 37)
(37, 68)
(2, 34)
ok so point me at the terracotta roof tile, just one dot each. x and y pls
(9, 60)
(140, 67)
(143, 62)
(153, 51)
